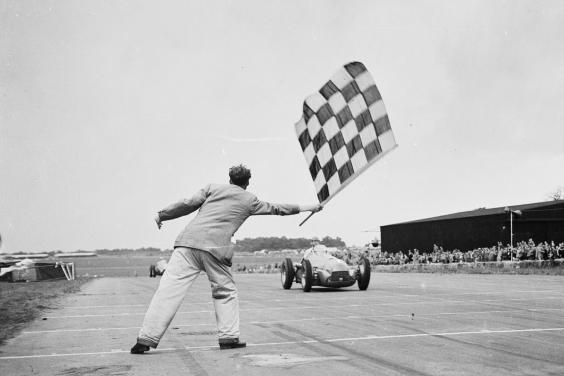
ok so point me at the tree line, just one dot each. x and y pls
(279, 243)
(243, 245)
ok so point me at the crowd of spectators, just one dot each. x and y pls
(521, 252)
(257, 268)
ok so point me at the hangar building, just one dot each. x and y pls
(542, 221)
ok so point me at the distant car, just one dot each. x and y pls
(319, 268)
(157, 269)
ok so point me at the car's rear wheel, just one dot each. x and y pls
(307, 276)
(363, 274)
(287, 273)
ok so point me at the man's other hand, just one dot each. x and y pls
(311, 208)
(158, 220)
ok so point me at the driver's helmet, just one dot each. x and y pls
(161, 265)
(319, 248)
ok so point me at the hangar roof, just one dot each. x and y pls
(487, 211)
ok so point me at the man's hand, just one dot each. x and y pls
(317, 208)
(158, 220)
(312, 208)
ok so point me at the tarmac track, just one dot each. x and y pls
(404, 324)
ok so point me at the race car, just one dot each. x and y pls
(158, 269)
(319, 268)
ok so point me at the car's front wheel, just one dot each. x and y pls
(287, 273)
(307, 275)
(363, 274)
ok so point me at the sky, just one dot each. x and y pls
(111, 110)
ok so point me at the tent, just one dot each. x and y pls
(28, 270)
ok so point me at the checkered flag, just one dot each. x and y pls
(344, 130)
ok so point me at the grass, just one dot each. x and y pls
(505, 267)
(21, 303)
(138, 266)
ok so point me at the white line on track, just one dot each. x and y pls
(328, 340)
(293, 301)
(129, 305)
(259, 309)
(309, 298)
(351, 317)
(104, 329)
(179, 312)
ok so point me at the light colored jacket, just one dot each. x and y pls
(222, 210)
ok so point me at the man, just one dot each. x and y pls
(205, 245)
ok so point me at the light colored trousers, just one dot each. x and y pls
(183, 268)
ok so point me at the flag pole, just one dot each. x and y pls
(308, 217)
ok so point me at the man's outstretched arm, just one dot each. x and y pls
(182, 207)
(266, 208)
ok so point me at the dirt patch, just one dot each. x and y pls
(111, 370)
(199, 333)
(288, 360)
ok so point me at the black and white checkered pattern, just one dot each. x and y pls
(344, 129)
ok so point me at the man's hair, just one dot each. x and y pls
(240, 175)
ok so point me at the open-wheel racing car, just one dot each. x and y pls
(158, 268)
(319, 268)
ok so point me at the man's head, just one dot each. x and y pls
(239, 175)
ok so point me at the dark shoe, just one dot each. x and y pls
(226, 344)
(139, 348)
